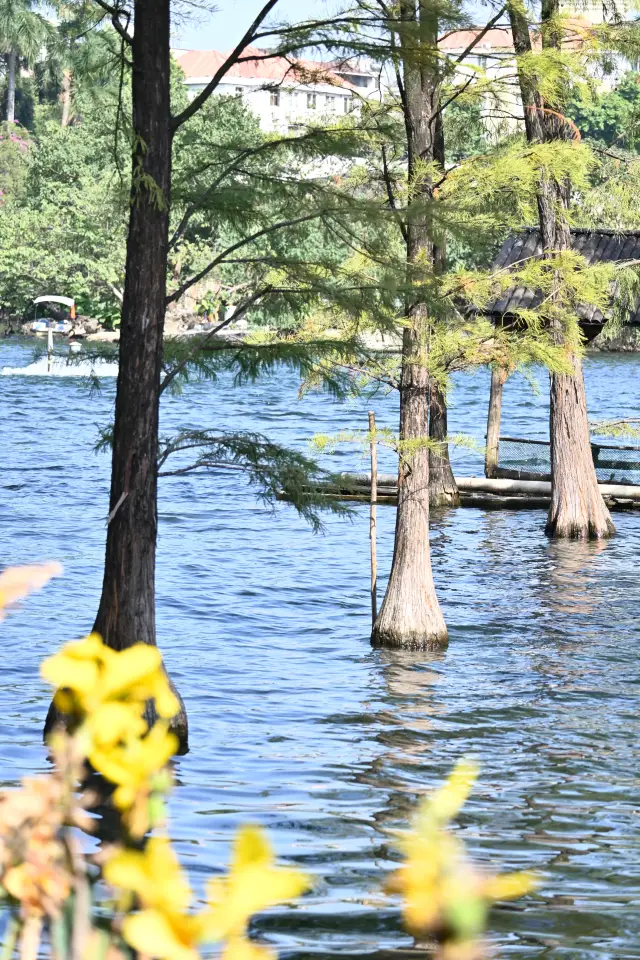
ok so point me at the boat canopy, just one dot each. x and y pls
(67, 301)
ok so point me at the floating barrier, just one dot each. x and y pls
(499, 494)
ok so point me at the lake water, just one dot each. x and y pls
(296, 722)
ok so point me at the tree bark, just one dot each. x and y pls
(12, 66)
(442, 484)
(577, 508)
(499, 377)
(410, 615)
(443, 490)
(126, 614)
(66, 97)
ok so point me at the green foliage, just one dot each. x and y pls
(612, 117)
(277, 472)
(66, 231)
(15, 145)
(465, 132)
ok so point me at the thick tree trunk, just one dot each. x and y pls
(577, 507)
(12, 66)
(126, 614)
(66, 97)
(410, 615)
(442, 485)
(498, 379)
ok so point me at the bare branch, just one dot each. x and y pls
(391, 197)
(482, 33)
(115, 13)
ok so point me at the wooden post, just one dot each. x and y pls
(49, 349)
(498, 379)
(372, 517)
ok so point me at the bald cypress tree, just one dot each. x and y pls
(577, 507)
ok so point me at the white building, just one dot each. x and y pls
(492, 59)
(283, 93)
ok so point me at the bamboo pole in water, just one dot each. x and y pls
(372, 516)
(49, 349)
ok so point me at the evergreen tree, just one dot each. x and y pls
(577, 507)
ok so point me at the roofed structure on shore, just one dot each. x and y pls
(596, 246)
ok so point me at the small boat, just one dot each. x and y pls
(45, 325)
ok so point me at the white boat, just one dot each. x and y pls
(44, 325)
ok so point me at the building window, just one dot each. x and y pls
(348, 104)
(274, 98)
(239, 91)
(311, 101)
(331, 103)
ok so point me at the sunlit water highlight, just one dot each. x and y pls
(296, 722)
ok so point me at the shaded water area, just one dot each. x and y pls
(296, 722)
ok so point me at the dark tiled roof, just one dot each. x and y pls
(596, 246)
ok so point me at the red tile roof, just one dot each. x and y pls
(500, 39)
(204, 63)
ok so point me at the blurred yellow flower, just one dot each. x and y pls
(162, 929)
(133, 766)
(444, 896)
(165, 936)
(253, 884)
(19, 582)
(153, 874)
(95, 674)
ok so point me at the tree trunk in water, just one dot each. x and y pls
(442, 485)
(66, 97)
(498, 379)
(410, 616)
(577, 508)
(126, 614)
(12, 66)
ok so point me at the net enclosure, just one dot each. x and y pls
(596, 246)
(520, 459)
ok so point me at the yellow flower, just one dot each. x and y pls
(164, 936)
(153, 874)
(134, 767)
(162, 929)
(253, 883)
(443, 805)
(19, 582)
(95, 674)
(443, 895)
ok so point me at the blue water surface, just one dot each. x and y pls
(296, 722)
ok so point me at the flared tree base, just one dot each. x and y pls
(598, 526)
(444, 497)
(409, 640)
(395, 629)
